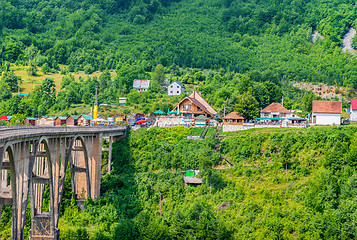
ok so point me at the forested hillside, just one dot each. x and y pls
(285, 184)
(209, 45)
(236, 35)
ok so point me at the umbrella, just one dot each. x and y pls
(174, 112)
(142, 121)
(160, 112)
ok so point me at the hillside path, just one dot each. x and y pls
(347, 40)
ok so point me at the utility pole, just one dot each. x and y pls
(282, 100)
(224, 111)
(95, 114)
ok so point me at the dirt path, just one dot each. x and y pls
(347, 40)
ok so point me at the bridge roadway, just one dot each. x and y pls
(33, 159)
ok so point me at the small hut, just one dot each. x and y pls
(59, 121)
(45, 121)
(190, 177)
(84, 120)
(30, 121)
(233, 118)
(72, 120)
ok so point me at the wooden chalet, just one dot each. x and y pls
(194, 105)
(59, 121)
(84, 120)
(233, 118)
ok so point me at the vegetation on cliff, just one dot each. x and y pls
(285, 183)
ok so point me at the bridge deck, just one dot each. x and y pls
(11, 133)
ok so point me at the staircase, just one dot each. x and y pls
(204, 132)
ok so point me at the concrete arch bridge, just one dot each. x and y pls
(33, 159)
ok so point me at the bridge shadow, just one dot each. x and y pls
(119, 187)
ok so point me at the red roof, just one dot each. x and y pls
(276, 108)
(354, 104)
(3, 117)
(326, 107)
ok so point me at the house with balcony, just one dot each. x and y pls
(277, 114)
(194, 106)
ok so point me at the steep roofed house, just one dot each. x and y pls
(175, 88)
(194, 105)
(141, 85)
(327, 112)
(353, 110)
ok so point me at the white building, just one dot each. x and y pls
(175, 88)
(353, 110)
(141, 85)
(326, 112)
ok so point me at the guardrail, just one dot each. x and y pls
(6, 132)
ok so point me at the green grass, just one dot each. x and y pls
(29, 82)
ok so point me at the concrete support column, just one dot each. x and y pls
(20, 193)
(56, 157)
(80, 178)
(96, 164)
(110, 154)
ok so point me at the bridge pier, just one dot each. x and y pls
(34, 162)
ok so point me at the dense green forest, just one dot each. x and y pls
(285, 184)
(203, 43)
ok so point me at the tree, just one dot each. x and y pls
(307, 101)
(45, 68)
(48, 91)
(11, 80)
(5, 92)
(32, 69)
(159, 74)
(261, 94)
(126, 75)
(247, 106)
(104, 79)
(244, 84)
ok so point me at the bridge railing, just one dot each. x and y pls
(30, 130)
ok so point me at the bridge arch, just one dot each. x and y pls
(42, 221)
(37, 159)
(7, 194)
